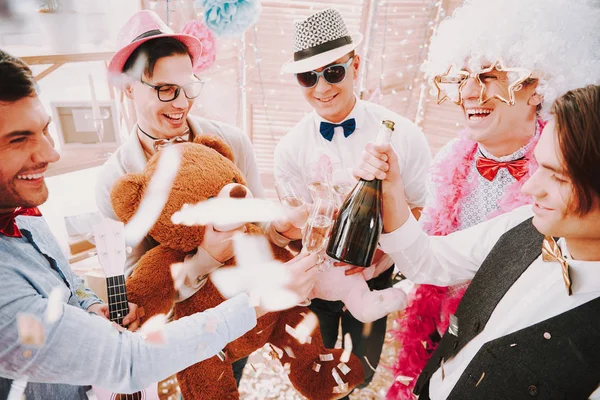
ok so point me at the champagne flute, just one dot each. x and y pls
(317, 175)
(318, 227)
(342, 183)
(288, 194)
(316, 232)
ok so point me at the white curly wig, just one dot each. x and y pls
(558, 40)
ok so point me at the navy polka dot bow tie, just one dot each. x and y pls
(327, 129)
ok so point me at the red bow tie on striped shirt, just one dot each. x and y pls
(489, 168)
(8, 226)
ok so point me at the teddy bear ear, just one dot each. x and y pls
(126, 195)
(216, 143)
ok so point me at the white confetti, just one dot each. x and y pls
(153, 330)
(326, 357)
(340, 388)
(289, 352)
(306, 327)
(369, 363)
(257, 274)
(405, 380)
(345, 357)
(302, 339)
(316, 367)
(480, 379)
(344, 369)
(155, 197)
(277, 350)
(55, 305)
(338, 379)
(222, 356)
(547, 335)
(31, 330)
(229, 211)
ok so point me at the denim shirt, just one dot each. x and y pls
(80, 348)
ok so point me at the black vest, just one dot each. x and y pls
(558, 358)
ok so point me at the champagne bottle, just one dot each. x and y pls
(355, 234)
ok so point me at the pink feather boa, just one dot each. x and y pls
(430, 306)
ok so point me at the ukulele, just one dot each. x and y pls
(109, 236)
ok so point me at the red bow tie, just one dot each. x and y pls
(8, 226)
(489, 168)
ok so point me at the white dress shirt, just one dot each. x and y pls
(538, 294)
(304, 145)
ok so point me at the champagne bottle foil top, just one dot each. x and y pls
(384, 135)
(389, 124)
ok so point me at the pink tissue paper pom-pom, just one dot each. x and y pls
(209, 49)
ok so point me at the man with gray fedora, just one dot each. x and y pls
(326, 144)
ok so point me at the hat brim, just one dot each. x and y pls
(117, 62)
(322, 59)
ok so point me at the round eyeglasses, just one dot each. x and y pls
(333, 74)
(170, 92)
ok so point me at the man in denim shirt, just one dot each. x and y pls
(80, 348)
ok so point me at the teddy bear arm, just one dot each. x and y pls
(151, 284)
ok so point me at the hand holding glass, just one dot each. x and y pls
(318, 227)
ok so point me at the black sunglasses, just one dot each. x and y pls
(333, 74)
(170, 92)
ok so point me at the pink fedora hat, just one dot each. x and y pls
(141, 27)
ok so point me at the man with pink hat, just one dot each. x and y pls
(333, 137)
(153, 67)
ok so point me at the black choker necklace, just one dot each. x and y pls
(153, 138)
(158, 143)
(141, 130)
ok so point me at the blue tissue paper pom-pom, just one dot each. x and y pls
(230, 17)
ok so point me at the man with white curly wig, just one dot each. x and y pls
(503, 63)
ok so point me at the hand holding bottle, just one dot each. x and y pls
(379, 161)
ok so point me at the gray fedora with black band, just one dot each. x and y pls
(319, 40)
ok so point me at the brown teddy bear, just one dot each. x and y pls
(206, 168)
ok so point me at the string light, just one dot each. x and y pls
(423, 99)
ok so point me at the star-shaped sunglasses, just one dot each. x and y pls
(450, 84)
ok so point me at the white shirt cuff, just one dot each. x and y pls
(198, 267)
(402, 238)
